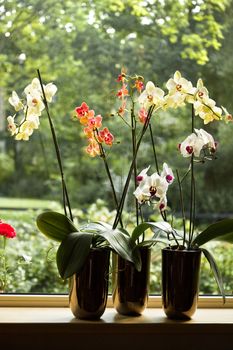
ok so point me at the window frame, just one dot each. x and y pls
(61, 300)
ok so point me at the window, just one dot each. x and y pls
(82, 49)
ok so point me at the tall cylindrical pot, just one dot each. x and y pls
(180, 282)
(130, 287)
(89, 288)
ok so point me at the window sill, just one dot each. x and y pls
(54, 328)
(40, 300)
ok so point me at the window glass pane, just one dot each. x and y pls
(82, 49)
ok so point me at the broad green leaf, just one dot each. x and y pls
(216, 272)
(164, 226)
(55, 225)
(152, 241)
(221, 231)
(96, 227)
(122, 245)
(72, 253)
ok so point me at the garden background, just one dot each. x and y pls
(81, 46)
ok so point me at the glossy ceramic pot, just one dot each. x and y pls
(130, 287)
(89, 289)
(180, 282)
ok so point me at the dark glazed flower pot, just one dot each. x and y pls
(180, 282)
(89, 288)
(130, 287)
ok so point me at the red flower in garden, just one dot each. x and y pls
(7, 230)
(139, 85)
(82, 110)
(123, 91)
(142, 114)
(106, 137)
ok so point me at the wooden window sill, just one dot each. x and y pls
(56, 328)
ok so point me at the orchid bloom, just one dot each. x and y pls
(154, 187)
(161, 205)
(95, 122)
(227, 116)
(32, 109)
(122, 108)
(93, 148)
(142, 115)
(15, 101)
(34, 103)
(196, 142)
(142, 193)
(157, 185)
(202, 93)
(142, 176)
(139, 85)
(179, 90)
(151, 95)
(82, 110)
(11, 125)
(106, 137)
(123, 91)
(167, 173)
(208, 111)
(50, 90)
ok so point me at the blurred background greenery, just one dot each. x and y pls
(81, 47)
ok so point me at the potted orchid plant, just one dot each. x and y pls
(83, 250)
(137, 104)
(198, 147)
(181, 257)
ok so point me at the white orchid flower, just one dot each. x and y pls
(191, 145)
(11, 125)
(34, 86)
(179, 90)
(15, 101)
(50, 90)
(151, 95)
(202, 94)
(142, 175)
(167, 173)
(34, 103)
(24, 134)
(161, 204)
(157, 185)
(227, 116)
(207, 138)
(208, 111)
(142, 193)
(196, 142)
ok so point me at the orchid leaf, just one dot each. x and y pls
(73, 252)
(122, 245)
(221, 231)
(154, 226)
(216, 272)
(151, 242)
(55, 225)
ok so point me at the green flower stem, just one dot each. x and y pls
(4, 280)
(65, 195)
(25, 117)
(103, 156)
(142, 220)
(133, 138)
(192, 192)
(124, 193)
(153, 147)
(182, 206)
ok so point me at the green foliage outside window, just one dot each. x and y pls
(81, 47)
